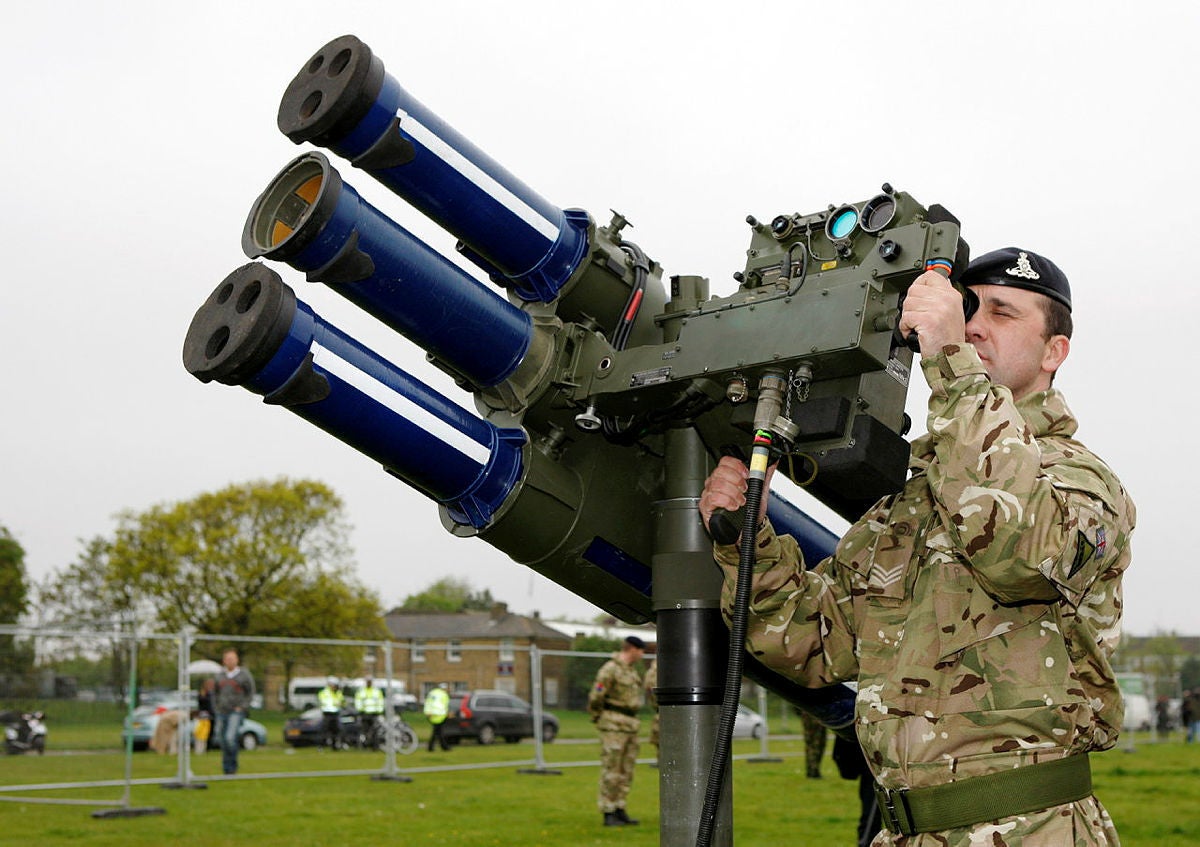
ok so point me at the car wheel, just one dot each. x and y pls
(249, 741)
(549, 732)
(756, 731)
(487, 734)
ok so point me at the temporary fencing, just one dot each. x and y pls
(99, 714)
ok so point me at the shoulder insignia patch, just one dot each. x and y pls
(1084, 550)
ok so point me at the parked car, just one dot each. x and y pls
(308, 727)
(488, 715)
(144, 720)
(747, 724)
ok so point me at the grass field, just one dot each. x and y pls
(1152, 792)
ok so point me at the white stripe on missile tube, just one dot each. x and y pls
(473, 173)
(387, 396)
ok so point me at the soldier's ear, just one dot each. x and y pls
(1056, 351)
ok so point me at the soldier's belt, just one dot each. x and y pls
(622, 710)
(985, 798)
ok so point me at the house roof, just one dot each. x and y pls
(498, 623)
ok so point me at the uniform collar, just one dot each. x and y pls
(1045, 412)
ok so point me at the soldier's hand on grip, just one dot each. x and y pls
(933, 309)
(725, 489)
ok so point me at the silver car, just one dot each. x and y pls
(144, 720)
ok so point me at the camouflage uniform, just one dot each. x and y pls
(977, 608)
(649, 683)
(613, 703)
(815, 738)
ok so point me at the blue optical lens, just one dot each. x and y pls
(843, 223)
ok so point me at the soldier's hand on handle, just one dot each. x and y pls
(725, 488)
(933, 309)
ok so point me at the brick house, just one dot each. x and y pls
(475, 650)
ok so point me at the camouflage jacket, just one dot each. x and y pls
(977, 608)
(617, 685)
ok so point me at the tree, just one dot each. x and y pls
(449, 594)
(260, 558)
(15, 657)
(582, 670)
(1189, 674)
(1159, 656)
(14, 590)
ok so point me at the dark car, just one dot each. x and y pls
(488, 715)
(309, 727)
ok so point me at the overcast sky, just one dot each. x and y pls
(137, 135)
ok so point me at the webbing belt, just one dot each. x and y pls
(622, 710)
(985, 798)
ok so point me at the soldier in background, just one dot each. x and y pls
(614, 702)
(650, 682)
(816, 736)
(977, 608)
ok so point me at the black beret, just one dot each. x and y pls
(1019, 269)
(634, 641)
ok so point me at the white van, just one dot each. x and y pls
(302, 692)
(401, 699)
(1135, 691)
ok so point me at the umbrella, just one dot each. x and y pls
(202, 667)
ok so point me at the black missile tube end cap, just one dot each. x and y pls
(293, 209)
(240, 327)
(331, 93)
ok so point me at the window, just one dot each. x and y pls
(507, 653)
(418, 649)
(454, 650)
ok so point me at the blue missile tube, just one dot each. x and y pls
(311, 219)
(344, 100)
(253, 332)
(815, 540)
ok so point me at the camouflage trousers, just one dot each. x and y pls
(618, 755)
(815, 736)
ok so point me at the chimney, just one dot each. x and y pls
(499, 611)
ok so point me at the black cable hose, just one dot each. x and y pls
(733, 677)
(641, 270)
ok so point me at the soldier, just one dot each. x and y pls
(614, 702)
(650, 682)
(978, 607)
(816, 736)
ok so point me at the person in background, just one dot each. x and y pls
(368, 702)
(614, 702)
(1162, 717)
(815, 738)
(233, 690)
(437, 709)
(331, 699)
(204, 715)
(1190, 712)
(650, 683)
